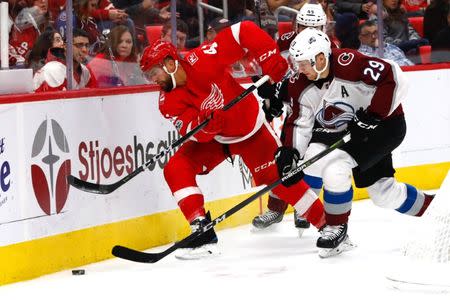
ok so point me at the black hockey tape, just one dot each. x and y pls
(78, 272)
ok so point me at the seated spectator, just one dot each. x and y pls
(52, 76)
(50, 38)
(398, 30)
(441, 44)
(363, 9)
(182, 34)
(116, 64)
(28, 24)
(346, 31)
(82, 19)
(368, 36)
(435, 18)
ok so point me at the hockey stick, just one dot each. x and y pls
(97, 188)
(143, 257)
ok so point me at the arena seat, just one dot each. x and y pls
(153, 33)
(417, 23)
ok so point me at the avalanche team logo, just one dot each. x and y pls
(334, 115)
(50, 166)
(344, 59)
(214, 100)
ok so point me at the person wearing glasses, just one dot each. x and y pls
(52, 76)
(368, 36)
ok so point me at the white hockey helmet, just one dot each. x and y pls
(311, 15)
(307, 45)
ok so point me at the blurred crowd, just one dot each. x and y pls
(110, 35)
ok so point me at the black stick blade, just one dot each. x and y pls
(135, 255)
(89, 186)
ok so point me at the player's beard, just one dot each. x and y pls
(167, 84)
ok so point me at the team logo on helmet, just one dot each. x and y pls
(345, 58)
(312, 40)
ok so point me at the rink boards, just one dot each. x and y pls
(100, 136)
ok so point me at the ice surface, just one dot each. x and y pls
(274, 264)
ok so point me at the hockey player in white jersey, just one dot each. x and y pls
(340, 90)
(310, 15)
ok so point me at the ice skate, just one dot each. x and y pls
(202, 247)
(334, 240)
(266, 219)
(300, 223)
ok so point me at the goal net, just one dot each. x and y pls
(426, 254)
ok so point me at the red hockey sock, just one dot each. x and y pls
(426, 203)
(315, 214)
(192, 207)
(275, 204)
(337, 219)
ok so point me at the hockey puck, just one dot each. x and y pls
(78, 272)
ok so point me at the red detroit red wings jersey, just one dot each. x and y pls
(209, 85)
(355, 81)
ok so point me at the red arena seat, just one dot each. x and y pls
(417, 23)
(153, 33)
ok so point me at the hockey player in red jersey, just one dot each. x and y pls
(340, 90)
(195, 87)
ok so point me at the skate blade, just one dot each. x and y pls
(346, 245)
(205, 251)
(300, 232)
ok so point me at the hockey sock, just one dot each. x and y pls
(416, 202)
(315, 183)
(315, 214)
(192, 207)
(337, 206)
(275, 204)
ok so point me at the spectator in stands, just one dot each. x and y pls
(107, 16)
(346, 30)
(29, 21)
(398, 30)
(143, 12)
(52, 76)
(214, 27)
(116, 64)
(182, 33)
(435, 18)
(368, 36)
(50, 38)
(441, 44)
(363, 9)
(82, 19)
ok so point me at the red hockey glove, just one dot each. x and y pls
(274, 65)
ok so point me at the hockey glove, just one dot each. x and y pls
(287, 159)
(274, 65)
(215, 123)
(272, 105)
(362, 126)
